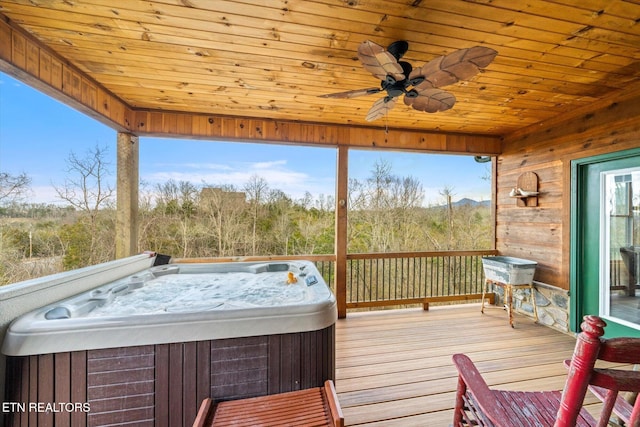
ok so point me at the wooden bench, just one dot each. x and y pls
(317, 406)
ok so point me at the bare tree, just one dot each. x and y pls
(177, 201)
(447, 193)
(86, 189)
(221, 210)
(13, 187)
(257, 190)
(384, 208)
(283, 227)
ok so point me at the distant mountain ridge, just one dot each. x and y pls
(470, 202)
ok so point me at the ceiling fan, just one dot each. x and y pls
(420, 86)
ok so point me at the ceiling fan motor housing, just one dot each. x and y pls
(395, 88)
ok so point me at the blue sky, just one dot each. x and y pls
(37, 134)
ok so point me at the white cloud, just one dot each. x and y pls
(276, 173)
(44, 194)
(267, 165)
(208, 166)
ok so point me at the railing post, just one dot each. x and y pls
(342, 180)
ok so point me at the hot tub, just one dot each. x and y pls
(148, 347)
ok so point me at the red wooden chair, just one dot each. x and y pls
(622, 408)
(477, 404)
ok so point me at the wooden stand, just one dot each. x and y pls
(508, 295)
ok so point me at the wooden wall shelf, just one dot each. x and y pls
(527, 183)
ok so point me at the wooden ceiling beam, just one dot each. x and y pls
(242, 129)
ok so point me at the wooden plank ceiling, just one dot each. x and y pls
(272, 59)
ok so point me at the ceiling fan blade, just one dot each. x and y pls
(352, 93)
(378, 61)
(380, 108)
(431, 100)
(481, 56)
(398, 49)
(459, 65)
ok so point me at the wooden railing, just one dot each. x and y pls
(390, 279)
(396, 279)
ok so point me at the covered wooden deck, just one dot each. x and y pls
(394, 367)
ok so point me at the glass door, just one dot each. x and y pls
(620, 246)
(605, 241)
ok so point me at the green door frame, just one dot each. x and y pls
(578, 174)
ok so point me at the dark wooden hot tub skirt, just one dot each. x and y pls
(163, 385)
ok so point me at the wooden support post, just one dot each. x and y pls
(342, 181)
(127, 195)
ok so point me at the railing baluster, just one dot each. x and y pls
(377, 276)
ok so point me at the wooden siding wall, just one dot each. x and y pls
(542, 233)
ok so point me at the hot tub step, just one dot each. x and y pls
(317, 406)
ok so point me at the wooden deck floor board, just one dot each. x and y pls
(382, 378)
(393, 368)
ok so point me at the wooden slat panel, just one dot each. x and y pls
(289, 372)
(120, 385)
(191, 376)
(273, 375)
(176, 382)
(32, 58)
(16, 389)
(18, 50)
(238, 367)
(79, 386)
(162, 385)
(6, 44)
(203, 368)
(33, 388)
(46, 387)
(62, 386)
